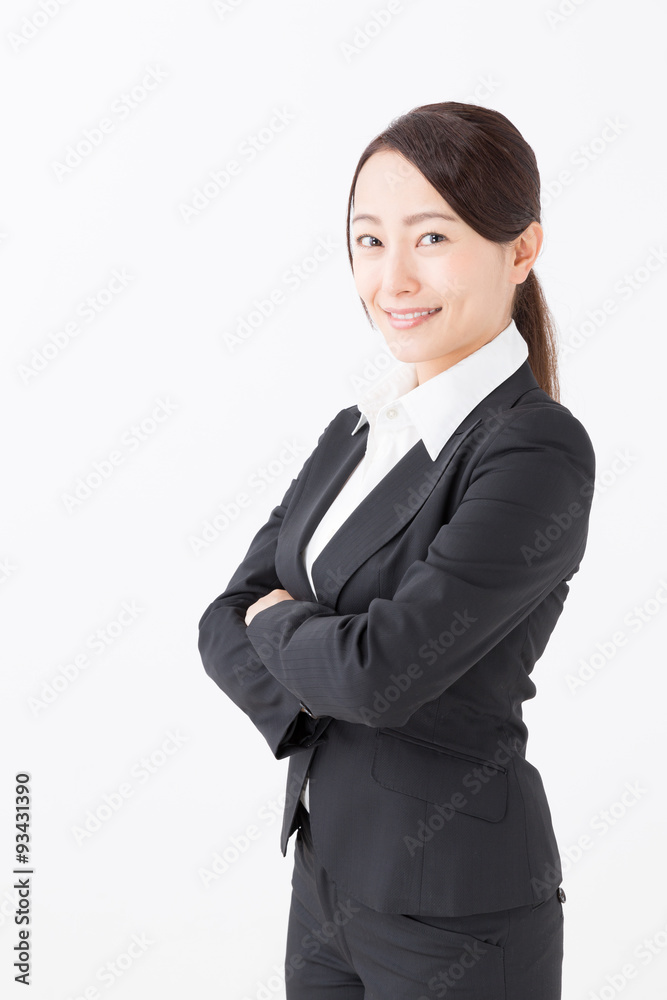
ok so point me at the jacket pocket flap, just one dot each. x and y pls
(436, 775)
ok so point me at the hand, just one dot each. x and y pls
(273, 597)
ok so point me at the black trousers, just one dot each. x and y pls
(339, 949)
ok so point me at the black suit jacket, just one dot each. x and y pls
(432, 603)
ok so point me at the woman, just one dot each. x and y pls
(383, 625)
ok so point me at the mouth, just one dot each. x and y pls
(403, 319)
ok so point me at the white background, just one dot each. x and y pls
(69, 569)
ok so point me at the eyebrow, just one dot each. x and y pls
(410, 220)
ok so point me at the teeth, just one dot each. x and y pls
(427, 312)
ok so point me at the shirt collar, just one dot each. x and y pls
(436, 407)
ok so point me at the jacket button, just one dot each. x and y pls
(561, 895)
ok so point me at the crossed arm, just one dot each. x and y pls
(520, 529)
(229, 657)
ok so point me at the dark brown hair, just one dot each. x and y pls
(483, 167)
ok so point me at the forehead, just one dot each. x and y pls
(388, 169)
(387, 184)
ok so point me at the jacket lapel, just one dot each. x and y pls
(392, 503)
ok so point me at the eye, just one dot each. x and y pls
(438, 235)
(366, 236)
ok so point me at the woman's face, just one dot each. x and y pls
(427, 262)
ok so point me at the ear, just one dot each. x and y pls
(525, 250)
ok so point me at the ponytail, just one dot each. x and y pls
(536, 325)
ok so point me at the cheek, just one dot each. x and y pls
(452, 278)
(464, 276)
(363, 279)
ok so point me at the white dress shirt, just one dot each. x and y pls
(401, 412)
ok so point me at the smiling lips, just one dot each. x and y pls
(403, 319)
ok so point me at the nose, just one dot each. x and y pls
(397, 274)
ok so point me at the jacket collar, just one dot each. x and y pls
(437, 406)
(392, 503)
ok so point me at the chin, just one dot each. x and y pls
(411, 353)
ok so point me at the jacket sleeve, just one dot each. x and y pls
(520, 528)
(229, 657)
